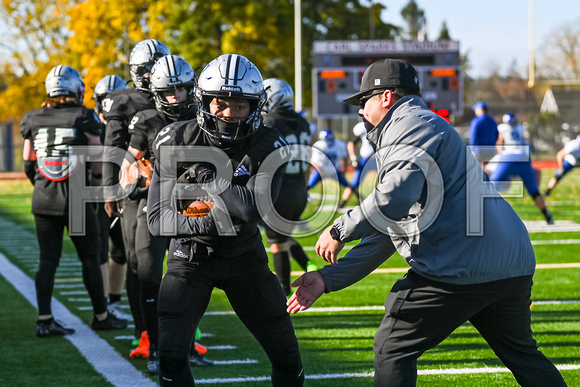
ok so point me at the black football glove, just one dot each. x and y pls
(201, 173)
(185, 192)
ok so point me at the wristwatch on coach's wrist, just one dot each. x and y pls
(335, 234)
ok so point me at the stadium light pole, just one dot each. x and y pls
(298, 54)
(531, 66)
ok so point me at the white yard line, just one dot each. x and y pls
(100, 354)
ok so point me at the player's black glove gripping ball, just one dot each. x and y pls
(201, 173)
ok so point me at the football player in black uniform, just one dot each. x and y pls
(113, 269)
(119, 108)
(172, 84)
(223, 164)
(280, 114)
(49, 133)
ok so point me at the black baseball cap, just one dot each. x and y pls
(386, 74)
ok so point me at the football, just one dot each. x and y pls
(198, 208)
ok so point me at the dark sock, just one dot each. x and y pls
(114, 298)
(297, 252)
(282, 268)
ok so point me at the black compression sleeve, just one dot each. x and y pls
(30, 168)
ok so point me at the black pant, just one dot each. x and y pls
(111, 238)
(420, 313)
(129, 227)
(49, 232)
(253, 292)
(148, 268)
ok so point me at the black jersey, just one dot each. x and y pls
(119, 108)
(296, 131)
(53, 131)
(145, 126)
(239, 197)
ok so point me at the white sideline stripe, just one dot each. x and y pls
(100, 354)
(124, 337)
(222, 347)
(74, 293)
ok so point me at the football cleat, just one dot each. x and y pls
(116, 309)
(153, 362)
(549, 218)
(142, 351)
(51, 328)
(200, 348)
(111, 322)
(198, 360)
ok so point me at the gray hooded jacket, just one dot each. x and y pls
(433, 204)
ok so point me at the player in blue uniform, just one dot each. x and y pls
(366, 152)
(513, 160)
(568, 158)
(328, 163)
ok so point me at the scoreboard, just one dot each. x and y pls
(339, 67)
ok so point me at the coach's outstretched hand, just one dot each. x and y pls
(311, 286)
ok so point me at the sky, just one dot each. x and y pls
(494, 31)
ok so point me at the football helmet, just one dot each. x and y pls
(104, 87)
(280, 95)
(171, 73)
(229, 76)
(326, 135)
(64, 80)
(510, 119)
(142, 59)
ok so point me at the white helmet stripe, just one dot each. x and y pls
(171, 66)
(111, 85)
(232, 68)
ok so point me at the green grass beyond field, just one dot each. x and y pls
(336, 337)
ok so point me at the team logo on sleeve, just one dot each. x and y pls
(133, 122)
(107, 104)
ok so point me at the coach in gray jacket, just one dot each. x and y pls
(470, 255)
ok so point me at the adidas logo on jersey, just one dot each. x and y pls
(242, 171)
(180, 254)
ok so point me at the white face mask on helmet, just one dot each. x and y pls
(66, 81)
(142, 59)
(170, 73)
(229, 76)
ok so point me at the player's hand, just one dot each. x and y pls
(328, 248)
(310, 287)
(202, 172)
(113, 207)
